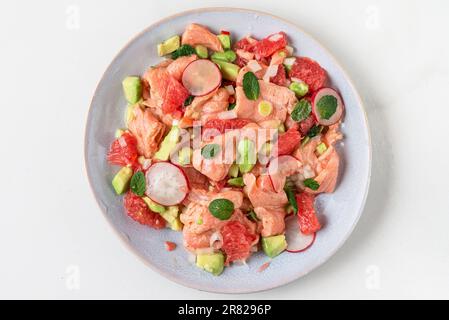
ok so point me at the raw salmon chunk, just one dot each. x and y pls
(147, 130)
(196, 34)
(272, 221)
(281, 98)
(167, 92)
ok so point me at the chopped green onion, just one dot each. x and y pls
(321, 148)
(236, 182)
(311, 184)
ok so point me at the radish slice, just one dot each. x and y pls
(280, 168)
(201, 77)
(166, 184)
(296, 240)
(289, 61)
(327, 106)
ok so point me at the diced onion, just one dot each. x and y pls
(308, 172)
(216, 240)
(289, 61)
(241, 262)
(297, 80)
(230, 89)
(289, 50)
(254, 66)
(275, 37)
(227, 115)
(175, 122)
(191, 258)
(122, 142)
(271, 72)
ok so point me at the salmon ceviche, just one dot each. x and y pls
(228, 141)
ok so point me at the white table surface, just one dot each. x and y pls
(55, 243)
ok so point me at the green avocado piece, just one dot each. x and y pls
(236, 182)
(228, 70)
(155, 207)
(170, 214)
(213, 263)
(121, 180)
(226, 56)
(129, 113)
(272, 246)
(184, 156)
(225, 40)
(176, 225)
(234, 170)
(132, 87)
(119, 133)
(168, 46)
(168, 144)
(321, 148)
(201, 51)
(247, 155)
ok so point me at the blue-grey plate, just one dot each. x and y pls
(340, 210)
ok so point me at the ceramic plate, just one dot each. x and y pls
(339, 211)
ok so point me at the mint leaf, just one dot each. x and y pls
(252, 216)
(184, 50)
(138, 184)
(209, 151)
(251, 86)
(231, 106)
(327, 106)
(221, 208)
(302, 110)
(314, 131)
(311, 184)
(188, 101)
(291, 199)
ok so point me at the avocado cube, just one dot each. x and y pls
(168, 144)
(129, 113)
(213, 263)
(236, 182)
(184, 156)
(225, 40)
(119, 133)
(170, 214)
(176, 225)
(226, 56)
(121, 180)
(234, 170)
(132, 88)
(201, 51)
(155, 207)
(168, 46)
(228, 70)
(273, 246)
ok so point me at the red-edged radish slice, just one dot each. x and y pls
(296, 240)
(327, 106)
(280, 168)
(166, 184)
(201, 77)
